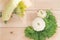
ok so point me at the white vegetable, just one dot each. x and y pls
(27, 3)
(42, 14)
(38, 24)
(10, 6)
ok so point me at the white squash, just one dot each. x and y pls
(7, 12)
(38, 24)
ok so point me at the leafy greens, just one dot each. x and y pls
(48, 32)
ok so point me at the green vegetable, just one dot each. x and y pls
(20, 9)
(0, 14)
(49, 30)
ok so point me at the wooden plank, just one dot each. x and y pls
(41, 4)
(57, 15)
(18, 34)
(36, 5)
(45, 4)
(16, 21)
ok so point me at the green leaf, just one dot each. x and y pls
(42, 37)
(49, 30)
(29, 32)
(50, 25)
(49, 13)
(0, 14)
(20, 9)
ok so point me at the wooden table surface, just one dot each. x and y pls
(14, 29)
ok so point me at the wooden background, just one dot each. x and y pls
(14, 29)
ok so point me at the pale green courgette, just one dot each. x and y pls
(10, 6)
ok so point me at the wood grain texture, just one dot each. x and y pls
(16, 21)
(36, 5)
(14, 29)
(18, 34)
